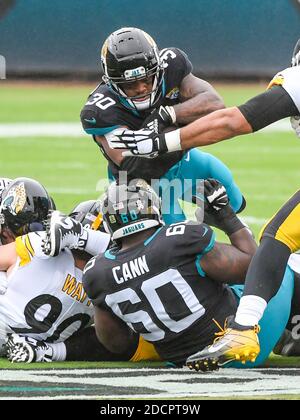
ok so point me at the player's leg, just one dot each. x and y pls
(289, 343)
(197, 165)
(274, 320)
(170, 189)
(281, 236)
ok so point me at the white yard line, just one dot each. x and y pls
(41, 130)
(33, 129)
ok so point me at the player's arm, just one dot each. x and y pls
(197, 98)
(224, 262)
(228, 263)
(257, 113)
(8, 256)
(113, 333)
(114, 154)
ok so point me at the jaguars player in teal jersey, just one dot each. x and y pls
(145, 87)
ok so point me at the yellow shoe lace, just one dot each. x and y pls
(223, 331)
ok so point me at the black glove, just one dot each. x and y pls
(160, 118)
(217, 210)
(215, 194)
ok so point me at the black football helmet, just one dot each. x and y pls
(129, 209)
(127, 55)
(88, 214)
(24, 206)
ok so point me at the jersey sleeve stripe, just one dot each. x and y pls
(22, 251)
(29, 246)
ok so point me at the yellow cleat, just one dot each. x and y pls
(234, 342)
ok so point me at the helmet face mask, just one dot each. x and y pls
(130, 209)
(24, 206)
(128, 55)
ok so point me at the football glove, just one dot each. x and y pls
(215, 193)
(160, 118)
(295, 123)
(27, 350)
(217, 210)
(144, 143)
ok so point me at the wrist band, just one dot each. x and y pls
(173, 140)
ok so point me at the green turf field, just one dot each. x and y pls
(265, 165)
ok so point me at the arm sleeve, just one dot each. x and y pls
(268, 107)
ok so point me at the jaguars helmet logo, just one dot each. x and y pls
(16, 200)
(173, 94)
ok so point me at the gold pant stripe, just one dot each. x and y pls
(145, 351)
(289, 232)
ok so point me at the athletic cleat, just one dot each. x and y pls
(234, 343)
(296, 54)
(63, 232)
(27, 350)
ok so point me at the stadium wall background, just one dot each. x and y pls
(245, 38)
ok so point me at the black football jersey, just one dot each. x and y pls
(106, 111)
(160, 290)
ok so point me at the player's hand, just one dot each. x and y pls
(215, 194)
(160, 118)
(143, 143)
(295, 123)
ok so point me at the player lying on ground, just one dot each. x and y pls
(282, 99)
(35, 282)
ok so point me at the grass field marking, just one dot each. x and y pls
(36, 129)
(156, 383)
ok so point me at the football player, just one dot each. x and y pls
(162, 282)
(144, 87)
(45, 305)
(280, 100)
(51, 320)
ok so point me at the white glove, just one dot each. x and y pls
(144, 143)
(295, 123)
